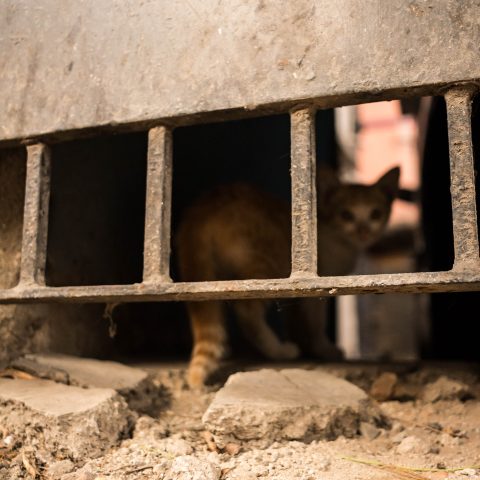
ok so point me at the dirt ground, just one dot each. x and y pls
(433, 432)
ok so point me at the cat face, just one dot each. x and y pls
(358, 213)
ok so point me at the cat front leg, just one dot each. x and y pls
(307, 325)
(252, 321)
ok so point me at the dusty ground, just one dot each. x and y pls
(434, 429)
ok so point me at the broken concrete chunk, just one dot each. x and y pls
(413, 444)
(446, 389)
(75, 421)
(132, 383)
(268, 405)
(88, 372)
(174, 446)
(405, 392)
(382, 388)
(188, 467)
(39, 370)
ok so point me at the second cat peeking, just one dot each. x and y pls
(239, 232)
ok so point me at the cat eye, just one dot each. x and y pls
(347, 216)
(376, 214)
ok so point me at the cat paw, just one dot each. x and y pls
(287, 351)
(196, 377)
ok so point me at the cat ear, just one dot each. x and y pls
(388, 182)
(327, 181)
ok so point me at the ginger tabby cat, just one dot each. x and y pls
(239, 232)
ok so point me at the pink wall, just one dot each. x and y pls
(386, 139)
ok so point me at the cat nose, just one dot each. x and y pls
(363, 231)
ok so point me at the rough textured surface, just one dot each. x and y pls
(88, 372)
(82, 246)
(39, 327)
(132, 383)
(191, 468)
(75, 421)
(293, 404)
(383, 387)
(16, 330)
(432, 435)
(62, 467)
(211, 53)
(445, 388)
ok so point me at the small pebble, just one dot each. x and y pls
(370, 432)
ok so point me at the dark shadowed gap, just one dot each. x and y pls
(453, 333)
(12, 186)
(97, 211)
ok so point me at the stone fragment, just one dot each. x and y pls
(446, 389)
(397, 427)
(88, 372)
(369, 431)
(413, 444)
(188, 467)
(175, 446)
(268, 405)
(57, 469)
(404, 392)
(76, 421)
(132, 383)
(383, 386)
(468, 472)
(399, 437)
(232, 448)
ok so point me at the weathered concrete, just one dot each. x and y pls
(445, 388)
(177, 58)
(134, 384)
(268, 405)
(78, 422)
(16, 329)
(88, 372)
(188, 467)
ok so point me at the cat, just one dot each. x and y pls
(240, 232)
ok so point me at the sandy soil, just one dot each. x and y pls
(434, 433)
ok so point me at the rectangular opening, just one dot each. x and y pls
(232, 167)
(97, 208)
(452, 332)
(12, 181)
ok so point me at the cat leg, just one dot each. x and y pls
(209, 339)
(252, 321)
(309, 320)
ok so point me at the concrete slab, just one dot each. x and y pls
(293, 404)
(132, 383)
(79, 422)
(445, 388)
(88, 372)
